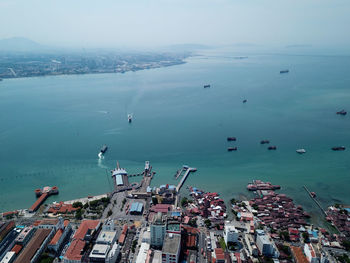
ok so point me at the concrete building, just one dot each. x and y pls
(60, 236)
(158, 228)
(106, 237)
(104, 253)
(136, 208)
(311, 254)
(36, 246)
(86, 231)
(9, 257)
(230, 234)
(266, 246)
(143, 253)
(171, 248)
(26, 234)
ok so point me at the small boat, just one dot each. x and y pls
(104, 148)
(338, 148)
(230, 149)
(206, 86)
(342, 112)
(301, 151)
(313, 194)
(284, 71)
(231, 139)
(102, 151)
(264, 141)
(272, 148)
(245, 101)
(129, 118)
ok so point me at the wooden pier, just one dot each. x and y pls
(313, 198)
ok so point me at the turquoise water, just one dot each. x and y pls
(51, 128)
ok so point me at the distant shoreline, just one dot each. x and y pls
(93, 72)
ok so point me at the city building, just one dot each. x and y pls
(265, 245)
(143, 253)
(84, 234)
(35, 246)
(9, 257)
(104, 253)
(230, 234)
(311, 254)
(136, 208)
(26, 234)
(60, 236)
(171, 248)
(158, 228)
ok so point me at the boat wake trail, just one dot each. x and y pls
(100, 164)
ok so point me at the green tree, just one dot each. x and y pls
(184, 201)
(207, 223)
(77, 205)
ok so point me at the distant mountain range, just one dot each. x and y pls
(20, 44)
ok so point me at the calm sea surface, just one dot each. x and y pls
(51, 128)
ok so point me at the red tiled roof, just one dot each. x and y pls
(299, 255)
(17, 248)
(84, 227)
(74, 252)
(75, 249)
(56, 237)
(121, 239)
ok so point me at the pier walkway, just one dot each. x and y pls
(313, 198)
(184, 177)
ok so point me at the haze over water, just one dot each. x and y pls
(51, 128)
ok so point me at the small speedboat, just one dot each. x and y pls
(129, 118)
(338, 148)
(244, 101)
(230, 149)
(231, 139)
(206, 86)
(264, 141)
(342, 112)
(301, 151)
(284, 71)
(272, 148)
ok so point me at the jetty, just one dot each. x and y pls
(314, 198)
(188, 170)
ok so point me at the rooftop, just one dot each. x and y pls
(106, 237)
(99, 251)
(171, 243)
(33, 246)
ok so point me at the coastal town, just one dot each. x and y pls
(138, 223)
(53, 63)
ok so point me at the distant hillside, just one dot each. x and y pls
(20, 44)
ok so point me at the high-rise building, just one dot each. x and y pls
(158, 228)
(230, 234)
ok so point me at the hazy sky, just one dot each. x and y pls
(107, 23)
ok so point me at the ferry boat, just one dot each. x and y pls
(129, 118)
(284, 71)
(207, 86)
(342, 112)
(301, 151)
